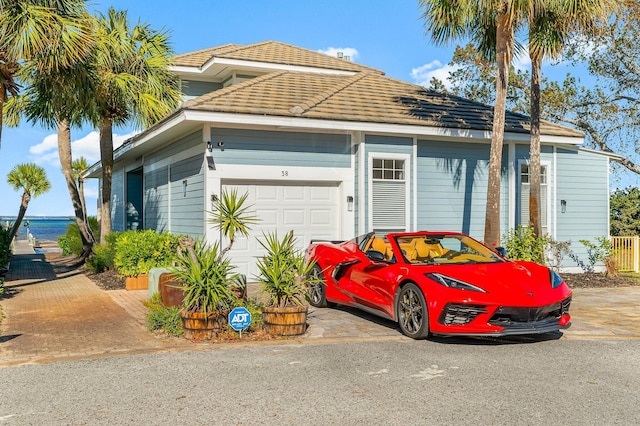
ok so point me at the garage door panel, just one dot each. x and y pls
(267, 217)
(310, 210)
(293, 193)
(318, 217)
(266, 193)
(293, 218)
(321, 194)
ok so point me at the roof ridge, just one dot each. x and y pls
(206, 49)
(318, 99)
(239, 47)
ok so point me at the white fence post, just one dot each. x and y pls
(636, 252)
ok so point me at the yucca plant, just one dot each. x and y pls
(230, 215)
(206, 279)
(283, 271)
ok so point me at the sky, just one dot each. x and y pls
(383, 34)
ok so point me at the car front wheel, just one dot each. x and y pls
(413, 315)
(317, 288)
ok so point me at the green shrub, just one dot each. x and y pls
(522, 244)
(256, 314)
(163, 318)
(136, 252)
(103, 254)
(601, 251)
(5, 247)
(71, 243)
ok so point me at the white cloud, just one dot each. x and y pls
(48, 143)
(422, 75)
(351, 52)
(522, 62)
(46, 152)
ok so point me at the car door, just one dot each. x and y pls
(371, 283)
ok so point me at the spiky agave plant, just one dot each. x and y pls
(206, 278)
(283, 271)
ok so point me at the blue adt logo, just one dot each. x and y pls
(239, 318)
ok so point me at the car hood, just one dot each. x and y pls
(512, 277)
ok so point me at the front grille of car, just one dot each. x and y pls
(456, 314)
(506, 316)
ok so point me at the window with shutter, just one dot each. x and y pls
(388, 195)
(524, 196)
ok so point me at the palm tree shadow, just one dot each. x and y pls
(4, 339)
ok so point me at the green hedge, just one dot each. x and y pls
(71, 243)
(136, 252)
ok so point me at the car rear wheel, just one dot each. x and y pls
(413, 315)
(317, 288)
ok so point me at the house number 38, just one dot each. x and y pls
(285, 172)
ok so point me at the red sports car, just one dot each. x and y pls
(443, 283)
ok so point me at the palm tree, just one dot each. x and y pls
(58, 100)
(51, 30)
(549, 29)
(132, 84)
(491, 24)
(32, 180)
(77, 167)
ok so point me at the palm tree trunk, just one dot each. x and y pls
(535, 215)
(26, 197)
(106, 157)
(3, 98)
(82, 200)
(504, 47)
(64, 150)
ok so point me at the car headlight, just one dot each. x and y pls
(556, 279)
(452, 282)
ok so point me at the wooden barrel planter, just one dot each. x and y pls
(289, 321)
(170, 295)
(139, 282)
(197, 326)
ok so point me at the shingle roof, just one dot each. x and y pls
(364, 97)
(270, 52)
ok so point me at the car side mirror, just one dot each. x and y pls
(375, 256)
(501, 251)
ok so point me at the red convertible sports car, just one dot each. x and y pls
(443, 283)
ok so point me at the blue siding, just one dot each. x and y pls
(253, 147)
(187, 207)
(452, 187)
(117, 201)
(192, 88)
(391, 145)
(582, 179)
(176, 147)
(156, 199)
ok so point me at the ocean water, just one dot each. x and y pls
(42, 228)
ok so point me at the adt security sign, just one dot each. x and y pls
(239, 318)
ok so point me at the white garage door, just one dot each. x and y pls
(309, 209)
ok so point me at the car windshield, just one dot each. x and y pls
(446, 248)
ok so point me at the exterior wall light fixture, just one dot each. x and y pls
(349, 203)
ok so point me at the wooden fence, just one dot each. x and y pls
(626, 252)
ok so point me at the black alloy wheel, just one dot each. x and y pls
(413, 315)
(317, 291)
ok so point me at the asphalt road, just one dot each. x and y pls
(568, 382)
